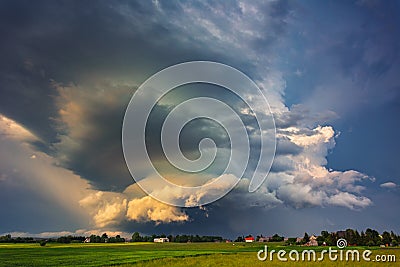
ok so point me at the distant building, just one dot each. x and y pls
(249, 239)
(313, 241)
(299, 240)
(161, 240)
(87, 240)
(263, 239)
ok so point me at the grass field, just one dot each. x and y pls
(167, 254)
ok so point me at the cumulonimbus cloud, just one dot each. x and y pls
(89, 116)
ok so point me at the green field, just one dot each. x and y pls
(167, 254)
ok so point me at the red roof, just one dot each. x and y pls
(249, 238)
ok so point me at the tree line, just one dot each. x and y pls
(136, 237)
(104, 238)
(9, 239)
(369, 237)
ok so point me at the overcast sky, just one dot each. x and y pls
(330, 71)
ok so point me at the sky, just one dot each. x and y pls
(329, 71)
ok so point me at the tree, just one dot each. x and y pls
(92, 239)
(136, 237)
(320, 240)
(64, 239)
(363, 239)
(6, 239)
(306, 238)
(357, 238)
(386, 238)
(119, 239)
(392, 235)
(276, 238)
(331, 239)
(324, 234)
(372, 237)
(239, 239)
(291, 241)
(350, 236)
(152, 237)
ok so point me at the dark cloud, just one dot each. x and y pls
(301, 115)
(81, 43)
(199, 129)
(89, 133)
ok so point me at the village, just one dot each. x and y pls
(369, 237)
(310, 241)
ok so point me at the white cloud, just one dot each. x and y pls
(149, 209)
(302, 179)
(388, 185)
(106, 208)
(319, 135)
(111, 209)
(350, 201)
(10, 129)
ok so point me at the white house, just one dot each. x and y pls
(161, 240)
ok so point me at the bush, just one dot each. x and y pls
(370, 243)
(43, 243)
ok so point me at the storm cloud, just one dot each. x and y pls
(70, 68)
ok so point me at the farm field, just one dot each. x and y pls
(167, 254)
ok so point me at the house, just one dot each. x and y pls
(161, 240)
(263, 239)
(299, 240)
(87, 240)
(313, 241)
(249, 239)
